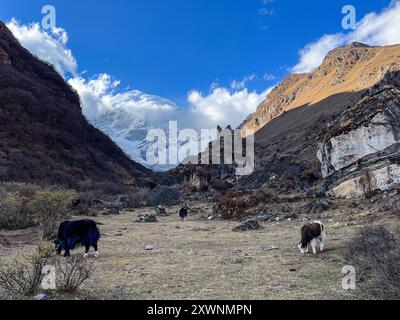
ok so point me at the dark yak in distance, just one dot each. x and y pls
(183, 214)
(75, 233)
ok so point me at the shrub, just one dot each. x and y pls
(164, 196)
(15, 209)
(396, 208)
(138, 197)
(50, 207)
(28, 191)
(367, 249)
(388, 280)
(375, 252)
(236, 205)
(368, 184)
(232, 205)
(73, 272)
(23, 206)
(15, 212)
(22, 276)
(221, 186)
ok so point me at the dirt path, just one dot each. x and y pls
(200, 259)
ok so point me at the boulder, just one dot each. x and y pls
(147, 218)
(111, 209)
(269, 248)
(264, 217)
(41, 297)
(114, 208)
(248, 225)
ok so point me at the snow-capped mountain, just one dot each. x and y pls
(129, 120)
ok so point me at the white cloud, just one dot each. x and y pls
(95, 94)
(240, 85)
(379, 29)
(126, 116)
(100, 94)
(312, 55)
(269, 77)
(224, 107)
(266, 12)
(50, 47)
(373, 29)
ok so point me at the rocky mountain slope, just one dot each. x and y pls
(44, 138)
(340, 125)
(345, 144)
(346, 69)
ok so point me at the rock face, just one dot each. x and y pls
(364, 139)
(347, 69)
(332, 128)
(44, 138)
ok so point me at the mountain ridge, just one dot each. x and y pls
(44, 137)
(345, 69)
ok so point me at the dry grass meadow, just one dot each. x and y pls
(201, 259)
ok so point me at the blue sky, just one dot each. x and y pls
(169, 47)
(137, 65)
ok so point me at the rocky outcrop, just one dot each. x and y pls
(325, 130)
(364, 141)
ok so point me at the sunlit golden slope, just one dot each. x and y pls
(346, 69)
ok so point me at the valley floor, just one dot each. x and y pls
(201, 259)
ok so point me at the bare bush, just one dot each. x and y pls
(73, 272)
(236, 205)
(368, 184)
(22, 276)
(231, 206)
(375, 252)
(396, 208)
(15, 212)
(23, 206)
(28, 191)
(388, 279)
(369, 248)
(137, 197)
(221, 186)
(50, 207)
(164, 196)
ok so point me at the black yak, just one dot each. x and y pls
(75, 233)
(183, 214)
